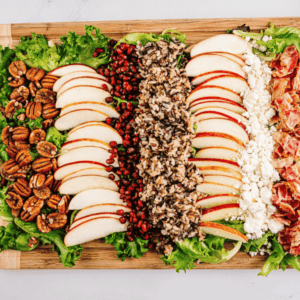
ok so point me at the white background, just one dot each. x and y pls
(134, 284)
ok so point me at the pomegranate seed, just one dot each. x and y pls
(119, 51)
(101, 72)
(128, 127)
(119, 172)
(99, 50)
(144, 227)
(143, 215)
(117, 88)
(130, 238)
(126, 63)
(121, 131)
(110, 161)
(146, 236)
(111, 176)
(140, 203)
(129, 50)
(127, 137)
(117, 94)
(126, 78)
(118, 125)
(109, 99)
(130, 150)
(135, 139)
(129, 204)
(127, 193)
(95, 54)
(112, 156)
(122, 164)
(128, 233)
(122, 220)
(108, 169)
(113, 144)
(120, 62)
(108, 121)
(149, 226)
(134, 220)
(126, 143)
(123, 197)
(140, 223)
(115, 150)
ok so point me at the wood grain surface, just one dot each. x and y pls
(97, 255)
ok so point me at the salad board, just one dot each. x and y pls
(98, 255)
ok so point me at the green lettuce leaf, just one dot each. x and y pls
(5, 210)
(3, 154)
(291, 261)
(255, 245)
(73, 215)
(145, 38)
(126, 248)
(67, 255)
(55, 137)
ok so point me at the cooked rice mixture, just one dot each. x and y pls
(165, 130)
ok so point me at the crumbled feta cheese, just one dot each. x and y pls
(265, 38)
(275, 226)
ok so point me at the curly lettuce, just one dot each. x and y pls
(56, 137)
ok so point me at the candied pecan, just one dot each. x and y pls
(47, 123)
(48, 81)
(17, 82)
(49, 181)
(42, 223)
(50, 111)
(32, 242)
(21, 187)
(42, 193)
(45, 96)
(53, 201)
(10, 167)
(46, 149)
(63, 205)
(15, 212)
(37, 180)
(20, 94)
(14, 200)
(32, 89)
(11, 149)
(35, 74)
(2, 181)
(21, 145)
(31, 208)
(6, 135)
(23, 158)
(17, 68)
(42, 165)
(36, 136)
(56, 185)
(20, 133)
(57, 220)
(54, 164)
(11, 108)
(34, 110)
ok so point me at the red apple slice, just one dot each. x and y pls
(202, 77)
(104, 108)
(101, 171)
(221, 212)
(65, 78)
(78, 117)
(82, 93)
(237, 58)
(84, 81)
(223, 42)
(210, 62)
(92, 153)
(210, 188)
(214, 91)
(212, 170)
(216, 200)
(68, 169)
(226, 126)
(206, 140)
(94, 197)
(66, 69)
(234, 83)
(93, 229)
(220, 112)
(101, 208)
(227, 180)
(84, 143)
(95, 130)
(223, 231)
(217, 152)
(78, 184)
(212, 162)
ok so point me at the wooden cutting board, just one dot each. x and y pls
(97, 255)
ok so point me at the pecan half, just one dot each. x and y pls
(14, 200)
(20, 133)
(15, 212)
(6, 135)
(63, 205)
(31, 209)
(20, 94)
(49, 181)
(35, 74)
(57, 220)
(21, 188)
(56, 185)
(32, 89)
(36, 136)
(17, 68)
(23, 158)
(45, 96)
(32, 242)
(10, 167)
(48, 81)
(42, 193)
(42, 224)
(42, 165)
(21, 145)
(46, 149)
(17, 82)
(34, 110)
(11, 149)
(47, 123)
(53, 201)
(54, 164)
(11, 108)
(37, 180)
(50, 111)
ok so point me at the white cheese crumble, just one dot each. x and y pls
(255, 160)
